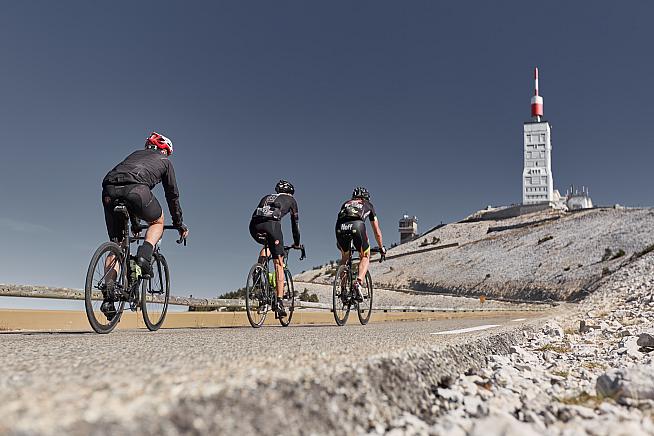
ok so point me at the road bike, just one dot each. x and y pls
(343, 294)
(150, 293)
(261, 290)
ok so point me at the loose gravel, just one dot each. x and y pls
(589, 372)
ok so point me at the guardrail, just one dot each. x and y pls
(208, 304)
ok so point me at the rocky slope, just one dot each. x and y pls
(541, 256)
(589, 372)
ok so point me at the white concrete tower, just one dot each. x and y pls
(537, 181)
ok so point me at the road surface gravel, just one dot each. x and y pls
(304, 378)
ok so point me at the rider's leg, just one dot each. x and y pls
(344, 256)
(114, 232)
(155, 231)
(263, 255)
(111, 274)
(152, 236)
(363, 264)
(279, 273)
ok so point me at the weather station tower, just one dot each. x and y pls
(537, 180)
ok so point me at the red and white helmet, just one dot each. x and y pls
(160, 141)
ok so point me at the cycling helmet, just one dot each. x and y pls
(361, 192)
(159, 141)
(285, 187)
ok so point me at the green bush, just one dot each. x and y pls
(305, 296)
(607, 254)
(237, 294)
(619, 254)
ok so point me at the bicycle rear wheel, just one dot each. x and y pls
(289, 297)
(257, 296)
(155, 293)
(107, 263)
(364, 308)
(341, 295)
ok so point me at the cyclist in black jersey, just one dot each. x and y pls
(131, 182)
(266, 227)
(351, 227)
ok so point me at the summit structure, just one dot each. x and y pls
(537, 180)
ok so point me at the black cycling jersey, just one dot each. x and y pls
(274, 207)
(148, 167)
(356, 209)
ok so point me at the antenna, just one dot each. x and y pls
(536, 100)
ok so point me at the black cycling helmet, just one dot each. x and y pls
(284, 187)
(361, 192)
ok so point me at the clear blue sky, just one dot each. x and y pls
(421, 101)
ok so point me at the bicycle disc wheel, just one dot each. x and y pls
(155, 293)
(107, 261)
(364, 308)
(256, 291)
(289, 297)
(341, 295)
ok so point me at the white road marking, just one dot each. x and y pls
(466, 330)
(519, 319)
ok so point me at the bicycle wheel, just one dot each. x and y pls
(364, 308)
(341, 295)
(106, 259)
(289, 297)
(256, 296)
(155, 293)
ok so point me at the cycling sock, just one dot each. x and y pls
(145, 251)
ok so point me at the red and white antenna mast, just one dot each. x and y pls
(536, 100)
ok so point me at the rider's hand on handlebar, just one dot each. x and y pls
(382, 253)
(183, 231)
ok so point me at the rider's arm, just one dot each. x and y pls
(295, 217)
(172, 194)
(374, 221)
(377, 231)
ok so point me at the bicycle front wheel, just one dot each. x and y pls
(106, 280)
(364, 308)
(289, 298)
(341, 299)
(256, 296)
(155, 293)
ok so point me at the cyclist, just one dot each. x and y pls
(351, 226)
(131, 182)
(266, 227)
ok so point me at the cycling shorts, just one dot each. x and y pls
(354, 231)
(140, 202)
(270, 232)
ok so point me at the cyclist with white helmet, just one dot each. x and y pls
(266, 227)
(131, 182)
(351, 227)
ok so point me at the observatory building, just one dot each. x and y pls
(537, 180)
(408, 228)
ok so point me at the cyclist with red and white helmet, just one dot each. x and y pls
(131, 182)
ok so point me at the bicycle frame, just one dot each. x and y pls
(266, 267)
(131, 293)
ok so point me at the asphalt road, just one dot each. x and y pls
(57, 380)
